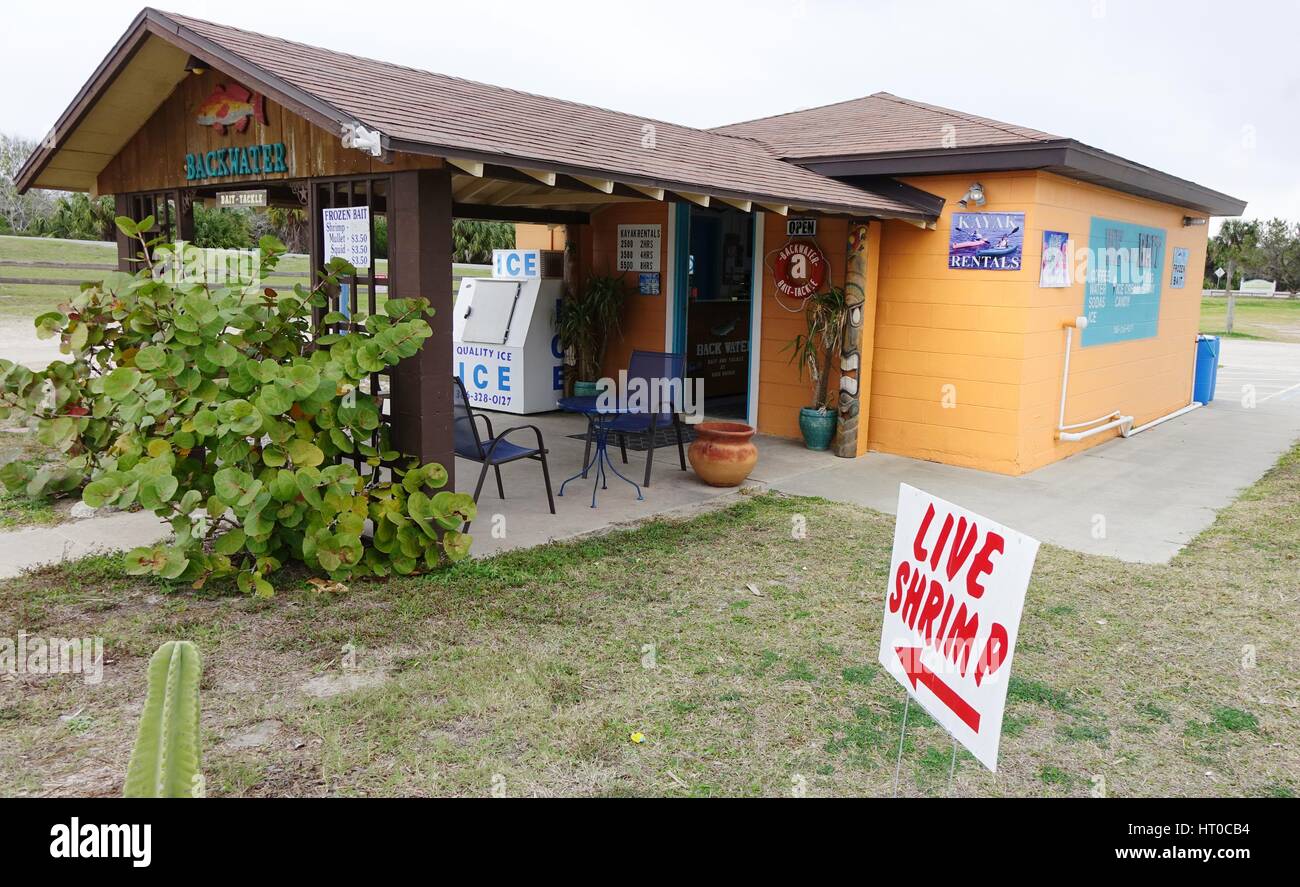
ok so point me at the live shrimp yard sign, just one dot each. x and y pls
(957, 586)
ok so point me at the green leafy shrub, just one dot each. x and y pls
(232, 412)
(222, 228)
(165, 759)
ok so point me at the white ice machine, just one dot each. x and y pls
(504, 346)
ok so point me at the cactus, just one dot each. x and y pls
(165, 760)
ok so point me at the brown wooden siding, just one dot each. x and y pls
(154, 158)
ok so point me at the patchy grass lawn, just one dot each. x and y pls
(18, 443)
(1275, 319)
(22, 300)
(527, 673)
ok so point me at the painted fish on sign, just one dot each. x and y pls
(233, 107)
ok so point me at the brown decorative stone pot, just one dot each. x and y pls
(723, 453)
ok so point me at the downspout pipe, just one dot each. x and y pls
(1072, 432)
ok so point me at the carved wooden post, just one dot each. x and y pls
(851, 363)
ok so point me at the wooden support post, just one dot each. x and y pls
(126, 247)
(572, 284)
(184, 228)
(572, 259)
(419, 262)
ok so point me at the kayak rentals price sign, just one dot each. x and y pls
(987, 241)
(957, 584)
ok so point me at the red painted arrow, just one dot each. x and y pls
(916, 671)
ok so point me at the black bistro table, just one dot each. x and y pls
(599, 418)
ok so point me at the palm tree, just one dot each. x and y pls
(1237, 243)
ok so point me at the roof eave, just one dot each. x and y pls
(99, 80)
(411, 146)
(1064, 156)
(151, 21)
(301, 102)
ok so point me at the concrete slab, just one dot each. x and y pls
(1140, 499)
(22, 550)
(18, 343)
(523, 519)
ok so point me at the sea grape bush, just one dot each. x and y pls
(226, 410)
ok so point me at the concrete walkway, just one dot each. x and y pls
(22, 550)
(1140, 499)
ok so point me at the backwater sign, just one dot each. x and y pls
(957, 584)
(1122, 296)
(226, 162)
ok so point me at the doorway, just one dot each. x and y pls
(717, 247)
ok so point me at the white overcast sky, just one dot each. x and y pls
(1205, 90)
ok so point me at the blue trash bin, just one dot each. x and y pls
(1207, 368)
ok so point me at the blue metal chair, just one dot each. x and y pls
(494, 450)
(654, 367)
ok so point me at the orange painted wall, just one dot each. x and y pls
(643, 316)
(539, 236)
(996, 338)
(1146, 378)
(781, 393)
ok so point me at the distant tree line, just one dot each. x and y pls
(76, 216)
(1255, 249)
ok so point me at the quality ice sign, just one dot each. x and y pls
(957, 586)
(347, 234)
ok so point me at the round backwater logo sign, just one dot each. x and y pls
(800, 270)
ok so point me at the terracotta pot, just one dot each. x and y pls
(723, 453)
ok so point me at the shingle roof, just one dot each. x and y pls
(879, 123)
(462, 115)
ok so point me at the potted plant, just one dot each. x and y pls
(585, 325)
(816, 350)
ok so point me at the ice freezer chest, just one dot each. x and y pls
(504, 346)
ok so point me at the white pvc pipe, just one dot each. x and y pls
(1154, 422)
(1112, 419)
(1080, 435)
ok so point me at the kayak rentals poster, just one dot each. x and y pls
(987, 241)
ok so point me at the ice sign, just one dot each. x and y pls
(516, 264)
(347, 234)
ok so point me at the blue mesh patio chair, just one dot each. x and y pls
(494, 450)
(654, 367)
